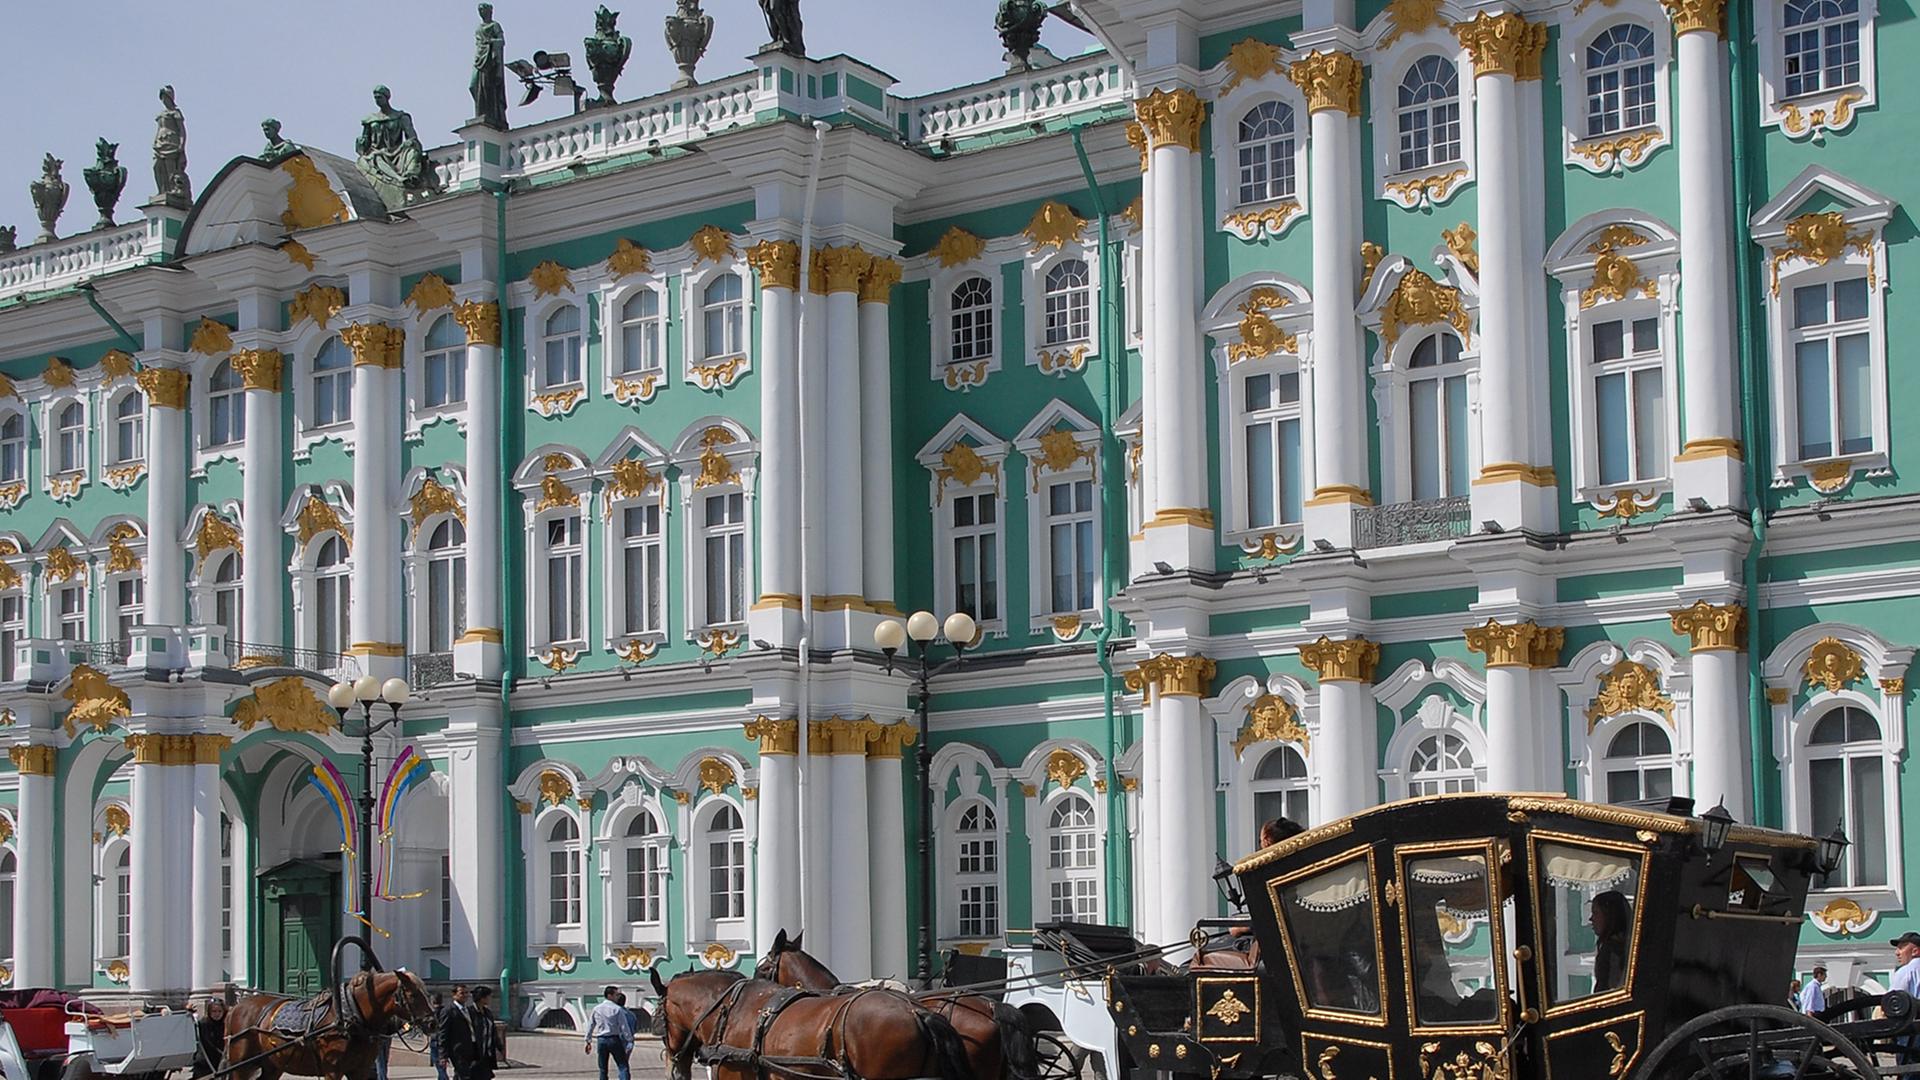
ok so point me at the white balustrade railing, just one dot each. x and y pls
(1017, 100)
(61, 263)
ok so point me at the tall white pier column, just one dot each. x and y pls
(378, 357)
(887, 847)
(850, 913)
(777, 863)
(1709, 463)
(162, 807)
(1180, 530)
(1181, 803)
(479, 651)
(475, 741)
(1331, 82)
(777, 262)
(1517, 655)
(844, 467)
(261, 567)
(208, 969)
(1344, 753)
(33, 847)
(1516, 486)
(1717, 634)
(876, 443)
(166, 579)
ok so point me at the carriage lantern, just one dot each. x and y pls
(1831, 848)
(1717, 822)
(1223, 880)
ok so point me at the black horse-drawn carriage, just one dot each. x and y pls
(1512, 937)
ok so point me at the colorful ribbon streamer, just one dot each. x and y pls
(409, 770)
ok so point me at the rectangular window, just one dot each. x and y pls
(727, 879)
(643, 884)
(227, 423)
(563, 887)
(226, 888)
(1629, 400)
(1832, 369)
(1824, 54)
(565, 620)
(726, 558)
(446, 371)
(13, 628)
(641, 552)
(130, 601)
(130, 431)
(1070, 545)
(446, 899)
(70, 613)
(976, 555)
(331, 625)
(1271, 426)
(123, 912)
(332, 398)
(446, 601)
(640, 333)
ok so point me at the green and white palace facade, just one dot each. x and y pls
(1316, 404)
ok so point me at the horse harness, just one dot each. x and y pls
(715, 1052)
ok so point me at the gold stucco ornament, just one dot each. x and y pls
(287, 705)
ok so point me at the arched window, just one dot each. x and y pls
(226, 594)
(128, 442)
(1441, 764)
(1073, 861)
(565, 869)
(445, 366)
(1821, 45)
(120, 929)
(226, 889)
(1067, 303)
(1437, 418)
(226, 404)
(1266, 153)
(1619, 79)
(1280, 787)
(726, 848)
(13, 449)
(972, 321)
(1832, 367)
(1639, 764)
(9, 875)
(13, 628)
(641, 347)
(1846, 785)
(70, 438)
(1428, 114)
(333, 598)
(446, 585)
(977, 873)
(1270, 424)
(560, 348)
(332, 384)
(643, 870)
(723, 315)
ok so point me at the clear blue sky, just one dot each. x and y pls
(313, 64)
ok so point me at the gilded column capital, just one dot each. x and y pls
(1171, 676)
(849, 736)
(32, 760)
(166, 388)
(480, 319)
(844, 267)
(1330, 80)
(1347, 660)
(890, 739)
(1172, 118)
(1712, 628)
(876, 287)
(150, 749)
(375, 345)
(1526, 644)
(1503, 44)
(777, 262)
(259, 368)
(1690, 16)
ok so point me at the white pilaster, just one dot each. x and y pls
(887, 849)
(1176, 791)
(166, 564)
(1517, 657)
(479, 650)
(848, 888)
(820, 840)
(1345, 758)
(476, 832)
(374, 619)
(845, 568)
(777, 264)
(876, 444)
(1721, 739)
(262, 568)
(207, 969)
(161, 815)
(777, 862)
(33, 847)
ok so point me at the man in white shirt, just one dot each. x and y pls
(1906, 977)
(610, 1030)
(1813, 996)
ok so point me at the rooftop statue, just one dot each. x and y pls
(1018, 22)
(170, 184)
(783, 27)
(106, 178)
(277, 148)
(390, 154)
(49, 197)
(8, 241)
(688, 31)
(489, 85)
(608, 49)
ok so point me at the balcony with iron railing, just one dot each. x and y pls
(250, 656)
(1421, 522)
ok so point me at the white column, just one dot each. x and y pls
(162, 836)
(478, 652)
(843, 467)
(813, 484)
(1709, 463)
(378, 352)
(476, 834)
(1717, 634)
(1331, 81)
(1517, 655)
(1344, 756)
(207, 970)
(166, 571)
(262, 570)
(776, 876)
(876, 438)
(33, 846)
(1516, 483)
(1180, 531)
(777, 262)
(850, 914)
(820, 840)
(1148, 905)
(1177, 792)
(887, 850)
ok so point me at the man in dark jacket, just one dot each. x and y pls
(458, 1043)
(486, 1040)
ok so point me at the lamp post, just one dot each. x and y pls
(921, 628)
(366, 690)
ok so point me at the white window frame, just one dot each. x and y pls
(943, 486)
(15, 411)
(1040, 480)
(617, 845)
(306, 590)
(539, 327)
(1629, 148)
(203, 588)
(110, 430)
(1042, 835)
(1252, 220)
(1283, 787)
(420, 562)
(722, 370)
(106, 895)
(635, 388)
(82, 586)
(952, 880)
(9, 887)
(617, 543)
(702, 924)
(1391, 371)
(13, 628)
(420, 414)
(1884, 749)
(1418, 187)
(210, 450)
(742, 456)
(123, 626)
(580, 291)
(1035, 270)
(71, 476)
(1604, 766)
(541, 929)
(1432, 714)
(964, 375)
(539, 553)
(1222, 321)
(1811, 115)
(306, 396)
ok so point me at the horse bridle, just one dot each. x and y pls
(361, 1011)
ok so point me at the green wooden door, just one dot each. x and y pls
(302, 925)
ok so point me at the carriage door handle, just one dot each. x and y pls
(1523, 954)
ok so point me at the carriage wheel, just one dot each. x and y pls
(1059, 1058)
(1756, 1042)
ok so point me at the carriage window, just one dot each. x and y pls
(1751, 883)
(1450, 946)
(1587, 923)
(1330, 929)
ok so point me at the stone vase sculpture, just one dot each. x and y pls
(607, 52)
(1018, 22)
(7, 241)
(688, 31)
(106, 178)
(49, 197)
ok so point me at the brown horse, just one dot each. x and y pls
(752, 1029)
(999, 1043)
(375, 1003)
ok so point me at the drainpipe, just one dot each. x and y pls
(802, 762)
(1766, 809)
(1112, 347)
(512, 870)
(132, 343)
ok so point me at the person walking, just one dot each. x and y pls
(610, 1031)
(439, 1005)
(1906, 979)
(486, 1041)
(457, 1036)
(1813, 993)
